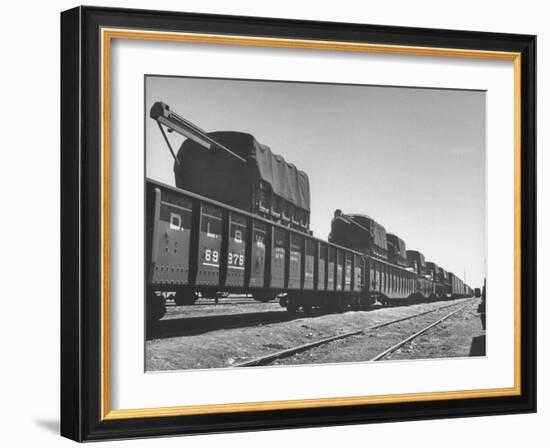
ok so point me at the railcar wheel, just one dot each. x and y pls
(325, 307)
(155, 309)
(340, 304)
(185, 298)
(264, 297)
(291, 306)
(366, 303)
(308, 309)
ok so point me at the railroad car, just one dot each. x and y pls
(439, 289)
(200, 246)
(203, 238)
(457, 286)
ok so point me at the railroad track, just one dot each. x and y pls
(268, 359)
(408, 339)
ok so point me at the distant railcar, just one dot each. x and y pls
(438, 281)
(457, 286)
(389, 283)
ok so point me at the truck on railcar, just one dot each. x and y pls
(457, 286)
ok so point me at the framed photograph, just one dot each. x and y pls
(275, 224)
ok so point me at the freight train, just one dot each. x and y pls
(238, 222)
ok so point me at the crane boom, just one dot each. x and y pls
(161, 113)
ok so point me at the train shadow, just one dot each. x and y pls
(190, 326)
(478, 346)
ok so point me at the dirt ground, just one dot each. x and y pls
(461, 335)
(227, 347)
(454, 339)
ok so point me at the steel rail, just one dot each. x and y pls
(414, 336)
(266, 359)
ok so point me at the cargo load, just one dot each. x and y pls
(397, 250)
(265, 183)
(417, 261)
(359, 232)
(433, 269)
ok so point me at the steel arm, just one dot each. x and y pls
(161, 113)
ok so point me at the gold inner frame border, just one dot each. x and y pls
(107, 36)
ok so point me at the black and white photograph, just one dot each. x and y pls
(275, 223)
(292, 223)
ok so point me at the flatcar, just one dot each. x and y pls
(457, 286)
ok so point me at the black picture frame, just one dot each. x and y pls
(81, 224)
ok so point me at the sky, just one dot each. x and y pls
(413, 159)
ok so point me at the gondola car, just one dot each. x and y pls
(424, 284)
(389, 281)
(457, 286)
(198, 245)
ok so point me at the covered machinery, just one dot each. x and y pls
(360, 233)
(417, 261)
(237, 170)
(397, 250)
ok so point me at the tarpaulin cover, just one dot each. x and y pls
(431, 265)
(199, 166)
(414, 255)
(398, 243)
(285, 180)
(377, 231)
